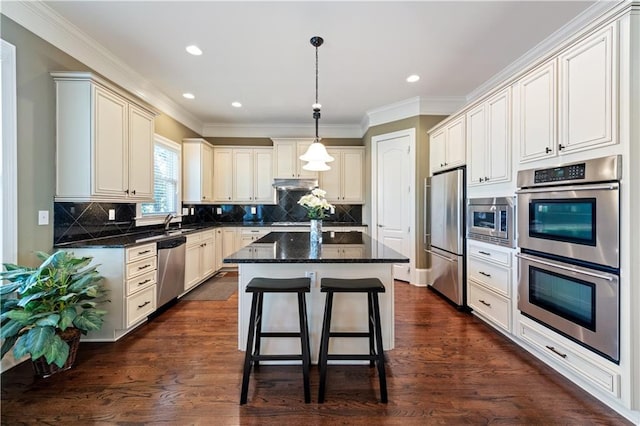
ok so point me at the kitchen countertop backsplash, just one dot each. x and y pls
(85, 221)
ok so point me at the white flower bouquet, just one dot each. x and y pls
(316, 204)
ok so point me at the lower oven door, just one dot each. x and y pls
(580, 303)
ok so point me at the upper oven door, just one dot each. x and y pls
(580, 222)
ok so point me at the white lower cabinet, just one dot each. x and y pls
(200, 258)
(248, 235)
(567, 356)
(489, 283)
(130, 276)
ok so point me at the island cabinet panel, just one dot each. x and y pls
(104, 141)
(197, 171)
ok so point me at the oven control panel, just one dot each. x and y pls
(559, 174)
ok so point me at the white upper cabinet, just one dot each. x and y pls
(588, 92)
(447, 146)
(538, 113)
(489, 140)
(344, 183)
(104, 142)
(197, 171)
(243, 175)
(286, 161)
(579, 87)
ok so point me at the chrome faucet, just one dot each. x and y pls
(167, 220)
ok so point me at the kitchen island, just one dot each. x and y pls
(340, 255)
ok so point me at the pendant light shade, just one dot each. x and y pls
(317, 155)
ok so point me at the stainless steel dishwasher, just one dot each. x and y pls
(171, 256)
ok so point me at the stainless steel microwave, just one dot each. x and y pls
(491, 220)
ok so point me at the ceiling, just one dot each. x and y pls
(258, 53)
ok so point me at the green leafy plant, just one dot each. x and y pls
(39, 304)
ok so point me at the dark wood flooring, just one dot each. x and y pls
(183, 368)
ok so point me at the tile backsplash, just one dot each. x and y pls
(81, 221)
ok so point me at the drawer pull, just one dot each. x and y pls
(144, 282)
(144, 304)
(144, 252)
(144, 267)
(484, 303)
(555, 351)
(485, 274)
(485, 253)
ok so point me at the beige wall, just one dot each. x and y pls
(35, 58)
(422, 124)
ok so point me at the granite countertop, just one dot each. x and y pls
(147, 236)
(336, 247)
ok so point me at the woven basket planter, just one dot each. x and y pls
(72, 337)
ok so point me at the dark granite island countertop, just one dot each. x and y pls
(336, 247)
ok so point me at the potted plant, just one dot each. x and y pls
(45, 310)
(316, 206)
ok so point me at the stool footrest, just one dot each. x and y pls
(278, 334)
(352, 357)
(276, 357)
(349, 334)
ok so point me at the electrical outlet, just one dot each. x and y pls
(192, 211)
(185, 211)
(332, 210)
(312, 276)
(219, 210)
(253, 210)
(112, 214)
(43, 217)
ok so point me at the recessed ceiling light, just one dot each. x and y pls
(413, 78)
(194, 50)
(188, 95)
(236, 104)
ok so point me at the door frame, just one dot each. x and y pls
(411, 208)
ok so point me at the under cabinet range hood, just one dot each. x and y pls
(295, 183)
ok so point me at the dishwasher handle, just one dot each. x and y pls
(171, 243)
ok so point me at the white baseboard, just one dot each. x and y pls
(420, 277)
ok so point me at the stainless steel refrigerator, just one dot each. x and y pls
(447, 235)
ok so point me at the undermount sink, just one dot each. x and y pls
(175, 232)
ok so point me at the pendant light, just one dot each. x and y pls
(316, 156)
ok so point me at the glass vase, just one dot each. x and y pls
(315, 231)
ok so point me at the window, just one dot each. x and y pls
(167, 158)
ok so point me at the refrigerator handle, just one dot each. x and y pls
(427, 206)
(441, 256)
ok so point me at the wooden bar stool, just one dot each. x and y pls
(371, 286)
(260, 286)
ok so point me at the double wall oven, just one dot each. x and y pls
(569, 260)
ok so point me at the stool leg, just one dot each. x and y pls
(324, 345)
(304, 341)
(372, 350)
(258, 343)
(248, 354)
(380, 350)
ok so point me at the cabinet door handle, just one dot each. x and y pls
(486, 179)
(485, 253)
(229, 198)
(561, 147)
(126, 191)
(143, 252)
(204, 198)
(485, 274)
(484, 303)
(547, 150)
(555, 351)
(144, 282)
(143, 267)
(144, 304)
(133, 192)
(481, 179)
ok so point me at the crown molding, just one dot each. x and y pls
(279, 130)
(47, 24)
(437, 105)
(582, 23)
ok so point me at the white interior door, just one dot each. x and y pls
(393, 206)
